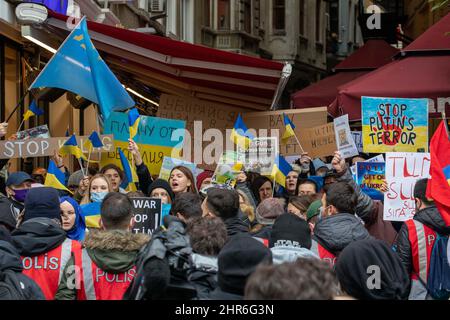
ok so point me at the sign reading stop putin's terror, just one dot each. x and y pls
(44, 147)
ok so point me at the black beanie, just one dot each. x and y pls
(353, 270)
(290, 230)
(163, 184)
(237, 260)
(42, 202)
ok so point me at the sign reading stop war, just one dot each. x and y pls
(147, 215)
(44, 147)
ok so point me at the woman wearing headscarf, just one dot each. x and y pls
(72, 219)
(369, 270)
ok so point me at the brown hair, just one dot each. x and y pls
(207, 235)
(302, 203)
(246, 208)
(189, 176)
(87, 196)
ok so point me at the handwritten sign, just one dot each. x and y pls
(319, 141)
(44, 147)
(394, 125)
(344, 140)
(170, 163)
(147, 214)
(357, 137)
(402, 172)
(156, 139)
(370, 177)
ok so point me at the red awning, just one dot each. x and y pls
(182, 68)
(374, 54)
(422, 70)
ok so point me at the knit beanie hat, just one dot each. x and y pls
(269, 210)
(75, 178)
(355, 260)
(237, 260)
(290, 230)
(42, 202)
(163, 184)
(313, 209)
(202, 177)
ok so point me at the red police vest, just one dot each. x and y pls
(47, 269)
(323, 253)
(97, 284)
(422, 240)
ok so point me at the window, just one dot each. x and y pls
(207, 13)
(247, 6)
(302, 17)
(279, 19)
(223, 15)
(318, 20)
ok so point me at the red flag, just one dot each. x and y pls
(439, 185)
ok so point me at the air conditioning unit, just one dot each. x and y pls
(156, 6)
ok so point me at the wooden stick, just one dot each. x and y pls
(81, 167)
(21, 124)
(298, 141)
(17, 106)
(89, 158)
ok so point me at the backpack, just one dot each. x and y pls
(438, 284)
(11, 288)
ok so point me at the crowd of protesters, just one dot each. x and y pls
(315, 239)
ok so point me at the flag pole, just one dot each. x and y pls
(21, 124)
(81, 167)
(89, 158)
(298, 141)
(17, 106)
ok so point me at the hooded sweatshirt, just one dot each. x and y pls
(336, 232)
(10, 262)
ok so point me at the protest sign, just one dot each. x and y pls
(147, 214)
(36, 132)
(370, 177)
(357, 137)
(402, 172)
(394, 125)
(227, 170)
(378, 158)
(319, 141)
(44, 147)
(266, 123)
(170, 163)
(344, 140)
(260, 156)
(155, 139)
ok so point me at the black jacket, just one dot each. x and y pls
(336, 232)
(37, 236)
(431, 218)
(144, 177)
(9, 211)
(264, 233)
(10, 261)
(203, 275)
(235, 226)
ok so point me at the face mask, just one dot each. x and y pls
(98, 196)
(20, 195)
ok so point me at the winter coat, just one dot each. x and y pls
(9, 211)
(203, 274)
(144, 177)
(264, 232)
(235, 226)
(336, 232)
(10, 261)
(112, 251)
(283, 254)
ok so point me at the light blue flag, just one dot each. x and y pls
(78, 67)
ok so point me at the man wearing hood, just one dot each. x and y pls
(42, 242)
(339, 225)
(11, 267)
(416, 239)
(108, 257)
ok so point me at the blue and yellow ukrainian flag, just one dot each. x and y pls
(33, 110)
(71, 147)
(78, 67)
(447, 174)
(93, 141)
(239, 134)
(281, 169)
(289, 132)
(91, 212)
(133, 121)
(55, 178)
(128, 183)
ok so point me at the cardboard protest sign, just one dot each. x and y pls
(156, 139)
(270, 123)
(260, 156)
(394, 125)
(36, 132)
(344, 140)
(370, 177)
(227, 170)
(357, 137)
(170, 163)
(44, 147)
(147, 214)
(319, 141)
(402, 172)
